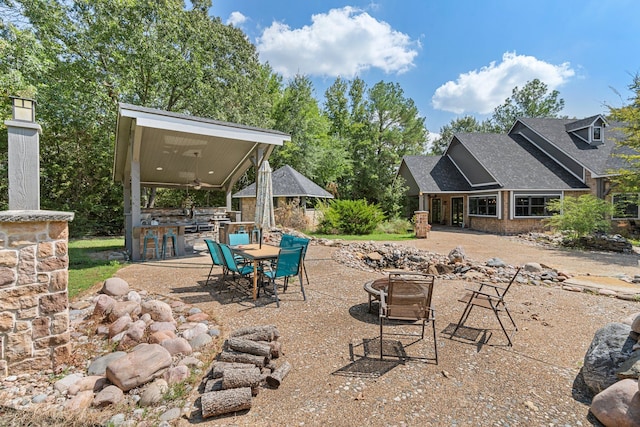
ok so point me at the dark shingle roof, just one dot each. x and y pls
(517, 164)
(288, 182)
(596, 158)
(436, 174)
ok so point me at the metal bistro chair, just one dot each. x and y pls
(243, 271)
(216, 258)
(290, 241)
(490, 297)
(408, 299)
(239, 239)
(170, 235)
(150, 236)
(287, 266)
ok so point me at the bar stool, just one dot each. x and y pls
(169, 235)
(150, 236)
(255, 235)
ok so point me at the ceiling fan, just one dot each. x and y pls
(197, 184)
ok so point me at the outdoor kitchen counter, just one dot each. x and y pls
(159, 231)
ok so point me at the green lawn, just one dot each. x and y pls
(375, 237)
(88, 262)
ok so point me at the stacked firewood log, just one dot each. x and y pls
(245, 364)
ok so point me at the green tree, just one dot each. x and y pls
(154, 54)
(628, 179)
(580, 216)
(460, 124)
(390, 129)
(533, 100)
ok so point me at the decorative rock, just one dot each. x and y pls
(618, 405)
(117, 420)
(198, 317)
(457, 255)
(496, 262)
(171, 414)
(80, 401)
(200, 341)
(610, 347)
(115, 287)
(93, 383)
(152, 393)
(160, 336)
(121, 324)
(161, 326)
(98, 366)
(635, 326)
(143, 364)
(191, 361)
(176, 374)
(134, 334)
(177, 345)
(159, 311)
(532, 267)
(134, 296)
(146, 318)
(110, 395)
(121, 308)
(63, 384)
(103, 305)
(630, 368)
(199, 328)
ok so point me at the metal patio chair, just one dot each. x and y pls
(216, 258)
(287, 265)
(407, 301)
(290, 241)
(490, 297)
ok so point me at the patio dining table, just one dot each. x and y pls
(256, 253)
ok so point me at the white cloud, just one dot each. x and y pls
(482, 91)
(236, 19)
(341, 42)
(431, 137)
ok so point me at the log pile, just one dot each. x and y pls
(246, 363)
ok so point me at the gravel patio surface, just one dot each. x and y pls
(475, 383)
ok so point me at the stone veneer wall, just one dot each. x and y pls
(421, 225)
(34, 304)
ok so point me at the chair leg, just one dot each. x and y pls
(304, 297)
(275, 292)
(503, 328)
(304, 267)
(435, 340)
(381, 320)
(463, 318)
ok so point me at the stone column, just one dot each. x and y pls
(422, 226)
(34, 303)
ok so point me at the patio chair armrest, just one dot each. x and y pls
(484, 294)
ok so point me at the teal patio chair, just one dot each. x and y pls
(240, 270)
(239, 239)
(288, 265)
(290, 241)
(216, 258)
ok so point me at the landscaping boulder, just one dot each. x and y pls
(177, 345)
(110, 395)
(457, 255)
(103, 305)
(159, 311)
(115, 287)
(143, 364)
(618, 405)
(98, 366)
(122, 308)
(610, 347)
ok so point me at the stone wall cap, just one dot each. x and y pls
(35, 216)
(23, 124)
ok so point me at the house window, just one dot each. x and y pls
(533, 206)
(597, 133)
(626, 206)
(483, 205)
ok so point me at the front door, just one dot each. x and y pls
(436, 211)
(457, 211)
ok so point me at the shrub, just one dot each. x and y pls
(395, 226)
(291, 215)
(580, 216)
(350, 217)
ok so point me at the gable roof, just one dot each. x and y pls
(288, 182)
(599, 159)
(583, 123)
(435, 174)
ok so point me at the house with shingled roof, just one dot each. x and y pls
(289, 186)
(501, 183)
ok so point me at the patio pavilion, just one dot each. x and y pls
(156, 148)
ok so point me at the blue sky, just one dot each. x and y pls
(453, 57)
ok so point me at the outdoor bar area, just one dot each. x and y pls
(161, 149)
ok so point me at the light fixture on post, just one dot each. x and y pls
(23, 109)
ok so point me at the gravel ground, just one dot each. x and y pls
(475, 383)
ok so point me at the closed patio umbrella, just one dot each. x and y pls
(264, 198)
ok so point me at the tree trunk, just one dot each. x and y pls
(213, 385)
(278, 375)
(219, 367)
(221, 402)
(239, 378)
(237, 357)
(257, 333)
(248, 346)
